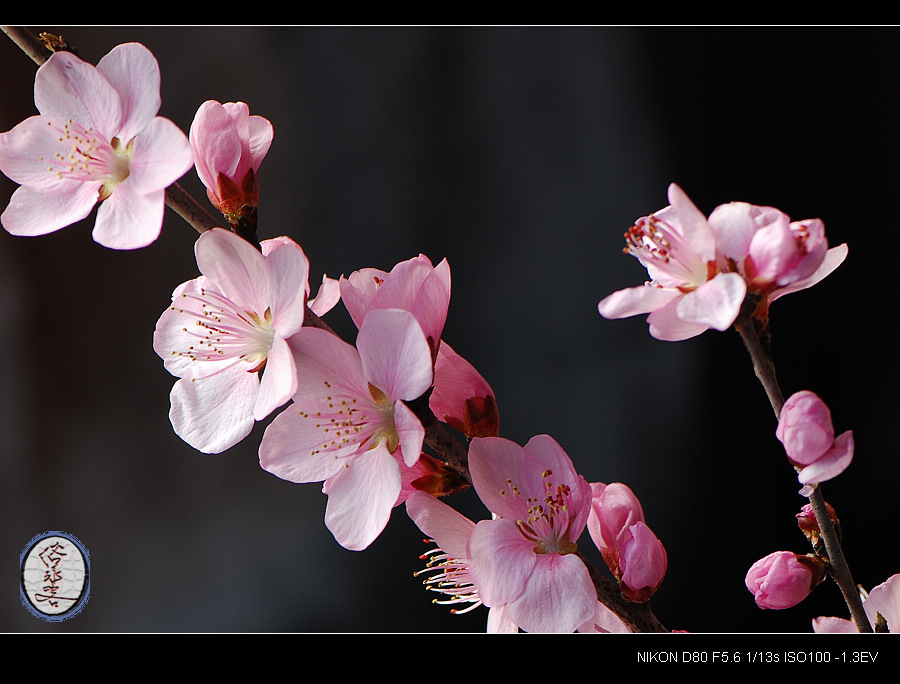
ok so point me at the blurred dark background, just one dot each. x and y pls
(521, 155)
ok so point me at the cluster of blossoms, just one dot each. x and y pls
(702, 269)
(356, 417)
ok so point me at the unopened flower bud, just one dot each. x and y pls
(642, 562)
(805, 430)
(783, 579)
(809, 525)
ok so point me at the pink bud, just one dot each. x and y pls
(642, 562)
(806, 431)
(614, 508)
(229, 145)
(783, 579)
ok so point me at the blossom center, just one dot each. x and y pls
(351, 424)
(85, 156)
(546, 521)
(224, 330)
(661, 248)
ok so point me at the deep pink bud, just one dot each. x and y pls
(783, 579)
(806, 431)
(642, 561)
(614, 508)
(633, 553)
(809, 524)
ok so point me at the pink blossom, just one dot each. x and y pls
(97, 139)
(414, 285)
(686, 294)
(783, 579)
(348, 420)
(524, 558)
(805, 430)
(883, 601)
(633, 553)
(774, 255)
(224, 328)
(229, 146)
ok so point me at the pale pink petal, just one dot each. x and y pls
(499, 622)
(33, 213)
(127, 220)
(357, 292)
(501, 561)
(162, 155)
(326, 298)
(288, 277)
(733, 226)
(235, 266)
(832, 463)
(322, 359)
(665, 324)
(834, 257)
(604, 621)
(178, 328)
(633, 301)
(885, 599)
(29, 155)
(773, 250)
(134, 72)
(66, 87)
(279, 379)
(494, 462)
(694, 227)
(433, 300)
(395, 354)
(559, 596)
(290, 449)
(361, 497)
(448, 528)
(410, 432)
(716, 303)
(833, 625)
(216, 413)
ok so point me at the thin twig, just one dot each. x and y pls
(765, 370)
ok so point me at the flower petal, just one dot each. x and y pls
(361, 497)
(214, 413)
(559, 596)
(448, 528)
(279, 379)
(716, 303)
(288, 277)
(67, 87)
(636, 300)
(501, 561)
(236, 267)
(33, 213)
(161, 156)
(134, 73)
(410, 432)
(885, 599)
(395, 355)
(128, 220)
